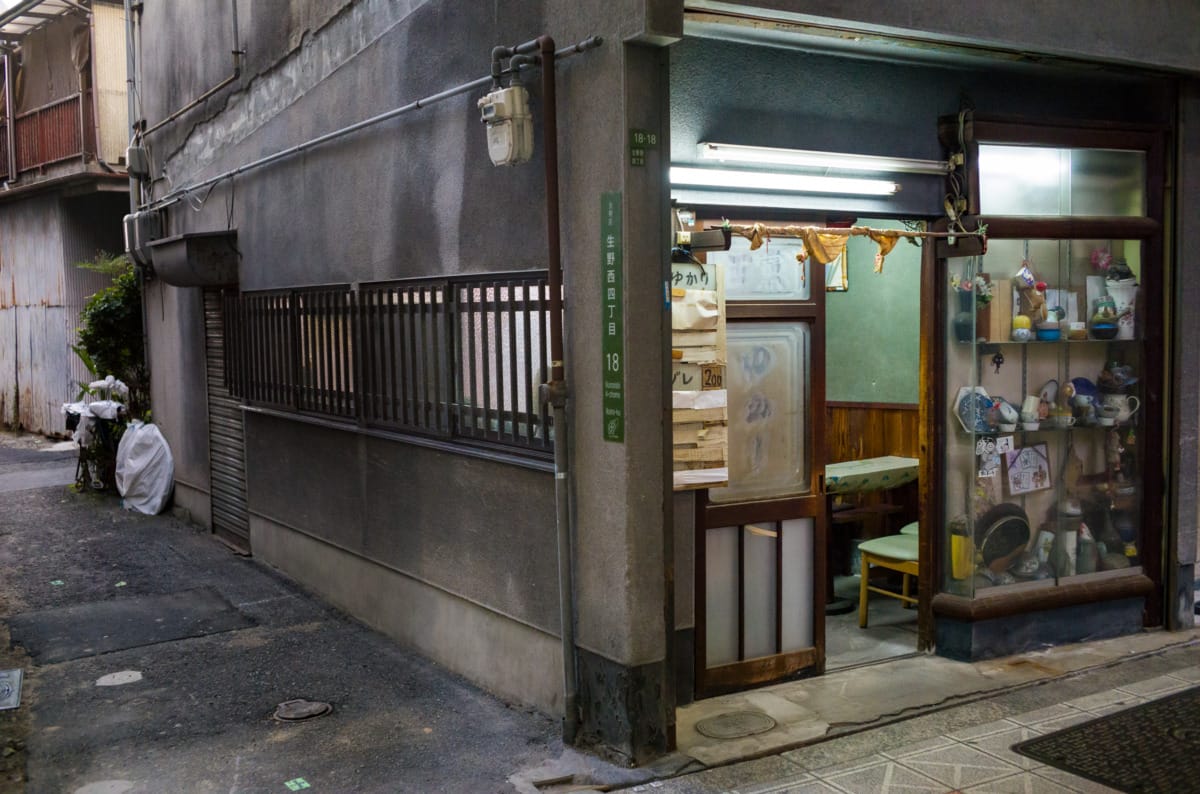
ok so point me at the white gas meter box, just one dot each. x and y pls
(505, 111)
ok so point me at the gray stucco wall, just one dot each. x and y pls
(418, 196)
(481, 530)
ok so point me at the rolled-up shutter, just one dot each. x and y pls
(226, 440)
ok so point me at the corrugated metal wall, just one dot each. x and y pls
(108, 55)
(41, 295)
(33, 365)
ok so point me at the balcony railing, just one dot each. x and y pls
(61, 130)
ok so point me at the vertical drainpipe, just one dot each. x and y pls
(555, 391)
(10, 130)
(130, 86)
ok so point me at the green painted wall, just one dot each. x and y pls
(872, 343)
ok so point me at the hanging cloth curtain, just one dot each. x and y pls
(886, 239)
(822, 247)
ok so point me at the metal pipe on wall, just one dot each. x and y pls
(177, 195)
(237, 72)
(557, 393)
(131, 84)
(11, 126)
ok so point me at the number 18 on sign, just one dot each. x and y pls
(612, 328)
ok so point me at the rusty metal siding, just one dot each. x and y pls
(108, 55)
(34, 371)
(226, 435)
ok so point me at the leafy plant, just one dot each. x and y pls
(110, 331)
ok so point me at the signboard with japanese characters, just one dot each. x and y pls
(612, 324)
(699, 415)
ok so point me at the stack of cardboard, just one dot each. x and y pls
(699, 415)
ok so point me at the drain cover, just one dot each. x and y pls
(10, 688)
(735, 725)
(296, 710)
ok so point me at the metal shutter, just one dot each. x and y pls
(226, 440)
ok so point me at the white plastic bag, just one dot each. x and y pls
(145, 469)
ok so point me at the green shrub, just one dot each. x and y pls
(110, 332)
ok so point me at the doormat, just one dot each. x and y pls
(1151, 747)
(116, 624)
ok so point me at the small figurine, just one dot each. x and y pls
(1114, 450)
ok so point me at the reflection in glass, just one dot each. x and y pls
(1039, 180)
(768, 381)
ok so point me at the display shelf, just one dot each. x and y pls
(1033, 508)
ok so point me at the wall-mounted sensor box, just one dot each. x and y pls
(137, 162)
(509, 125)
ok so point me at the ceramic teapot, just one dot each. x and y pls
(1126, 405)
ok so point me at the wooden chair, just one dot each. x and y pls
(894, 552)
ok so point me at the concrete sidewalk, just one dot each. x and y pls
(209, 643)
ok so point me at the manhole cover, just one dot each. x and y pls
(735, 725)
(296, 710)
(10, 688)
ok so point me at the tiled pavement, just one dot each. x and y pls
(973, 760)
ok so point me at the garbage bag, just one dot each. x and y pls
(145, 469)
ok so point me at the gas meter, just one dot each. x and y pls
(505, 111)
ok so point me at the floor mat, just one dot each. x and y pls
(1151, 747)
(65, 633)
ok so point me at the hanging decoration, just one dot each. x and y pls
(825, 245)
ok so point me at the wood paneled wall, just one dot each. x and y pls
(855, 431)
(870, 430)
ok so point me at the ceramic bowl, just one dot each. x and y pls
(1104, 331)
(1030, 425)
(1048, 333)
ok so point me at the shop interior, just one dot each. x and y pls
(871, 404)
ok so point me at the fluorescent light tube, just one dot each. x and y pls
(789, 183)
(737, 153)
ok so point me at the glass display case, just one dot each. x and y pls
(1044, 380)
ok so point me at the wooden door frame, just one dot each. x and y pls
(1150, 230)
(747, 673)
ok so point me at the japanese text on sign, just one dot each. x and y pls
(612, 330)
(641, 141)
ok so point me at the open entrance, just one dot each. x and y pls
(1007, 458)
(822, 376)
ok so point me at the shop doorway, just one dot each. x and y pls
(778, 572)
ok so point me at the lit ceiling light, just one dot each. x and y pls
(789, 183)
(736, 153)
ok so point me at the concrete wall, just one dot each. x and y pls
(178, 394)
(418, 196)
(873, 329)
(1156, 35)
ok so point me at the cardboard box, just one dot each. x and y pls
(999, 313)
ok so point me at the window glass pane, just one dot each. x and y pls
(770, 273)
(1042, 442)
(1039, 180)
(768, 382)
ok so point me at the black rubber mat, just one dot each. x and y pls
(1152, 747)
(65, 633)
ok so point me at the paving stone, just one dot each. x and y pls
(888, 777)
(1023, 783)
(960, 766)
(1155, 687)
(1000, 745)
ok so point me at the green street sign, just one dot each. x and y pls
(612, 316)
(640, 142)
